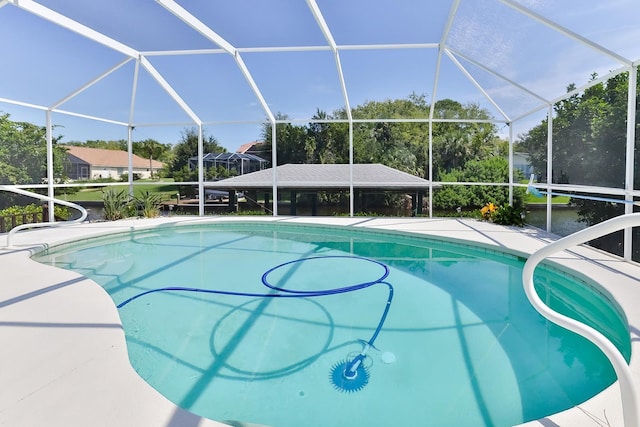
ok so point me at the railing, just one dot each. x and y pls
(629, 395)
(13, 231)
(17, 219)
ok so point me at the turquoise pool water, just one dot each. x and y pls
(460, 345)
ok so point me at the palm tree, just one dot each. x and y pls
(150, 148)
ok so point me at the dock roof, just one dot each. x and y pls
(325, 177)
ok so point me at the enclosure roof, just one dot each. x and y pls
(147, 64)
(224, 157)
(325, 176)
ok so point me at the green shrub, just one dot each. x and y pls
(7, 215)
(503, 215)
(34, 213)
(117, 204)
(125, 177)
(148, 204)
(61, 212)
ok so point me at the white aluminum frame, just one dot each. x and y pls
(629, 395)
(223, 46)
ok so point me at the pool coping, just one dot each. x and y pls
(69, 363)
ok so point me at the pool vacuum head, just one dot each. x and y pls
(348, 376)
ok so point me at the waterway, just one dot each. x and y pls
(564, 220)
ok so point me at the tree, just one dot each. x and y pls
(149, 149)
(403, 146)
(456, 143)
(489, 169)
(23, 155)
(120, 144)
(328, 142)
(589, 136)
(188, 147)
(293, 143)
(23, 152)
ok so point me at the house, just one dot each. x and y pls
(247, 146)
(521, 163)
(85, 163)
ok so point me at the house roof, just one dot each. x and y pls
(325, 176)
(246, 147)
(110, 158)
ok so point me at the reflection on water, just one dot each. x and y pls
(564, 221)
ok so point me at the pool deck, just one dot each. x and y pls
(63, 352)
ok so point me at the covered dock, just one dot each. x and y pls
(295, 179)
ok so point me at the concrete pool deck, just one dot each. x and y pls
(65, 363)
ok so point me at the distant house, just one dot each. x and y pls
(521, 163)
(257, 148)
(93, 163)
(246, 147)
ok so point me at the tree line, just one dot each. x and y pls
(463, 150)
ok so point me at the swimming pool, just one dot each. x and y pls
(460, 344)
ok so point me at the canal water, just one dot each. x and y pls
(564, 221)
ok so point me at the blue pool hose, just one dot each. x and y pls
(352, 367)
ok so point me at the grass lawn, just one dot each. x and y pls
(94, 194)
(530, 199)
(556, 200)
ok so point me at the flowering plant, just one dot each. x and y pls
(488, 211)
(503, 215)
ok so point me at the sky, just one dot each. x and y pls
(495, 56)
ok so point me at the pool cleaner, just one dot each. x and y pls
(351, 375)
